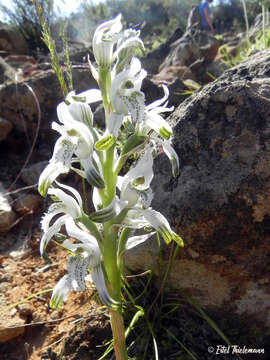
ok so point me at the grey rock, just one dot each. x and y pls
(155, 58)
(12, 40)
(20, 105)
(195, 49)
(30, 174)
(219, 203)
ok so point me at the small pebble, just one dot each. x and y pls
(13, 312)
(55, 315)
(6, 278)
(25, 309)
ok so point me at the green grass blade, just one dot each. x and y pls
(181, 344)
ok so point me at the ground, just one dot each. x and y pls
(81, 326)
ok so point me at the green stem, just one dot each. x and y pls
(263, 18)
(110, 261)
(118, 331)
(108, 193)
(246, 18)
(104, 82)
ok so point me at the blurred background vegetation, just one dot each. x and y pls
(157, 19)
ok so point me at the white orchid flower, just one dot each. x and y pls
(135, 184)
(126, 83)
(161, 225)
(126, 47)
(76, 138)
(76, 107)
(77, 268)
(105, 37)
(87, 256)
(138, 218)
(79, 134)
(154, 120)
(68, 205)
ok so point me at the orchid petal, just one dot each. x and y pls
(126, 50)
(160, 223)
(92, 173)
(48, 176)
(73, 208)
(87, 239)
(109, 212)
(76, 111)
(104, 40)
(135, 105)
(137, 240)
(91, 96)
(161, 101)
(134, 219)
(54, 209)
(142, 174)
(52, 230)
(60, 292)
(173, 157)
(114, 123)
(98, 279)
(96, 199)
(77, 267)
(157, 123)
(125, 83)
(146, 197)
(73, 191)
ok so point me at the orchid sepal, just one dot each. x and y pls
(132, 143)
(173, 157)
(92, 174)
(109, 212)
(60, 292)
(105, 143)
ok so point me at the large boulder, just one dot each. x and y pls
(155, 58)
(219, 203)
(195, 49)
(12, 40)
(18, 102)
